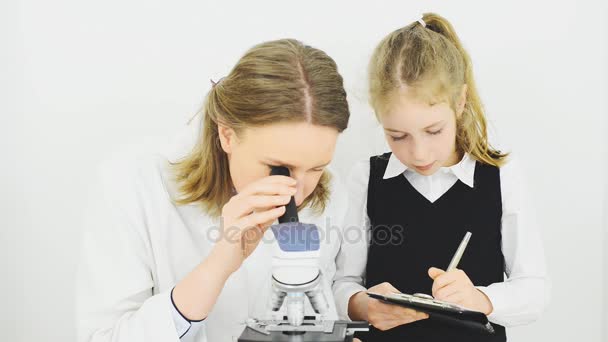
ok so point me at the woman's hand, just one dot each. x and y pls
(244, 220)
(247, 216)
(386, 316)
(456, 287)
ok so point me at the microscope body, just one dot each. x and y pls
(296, 278)
(295, 272)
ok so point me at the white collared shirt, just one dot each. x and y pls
(434, 186)
(523, 295)
(137, 245)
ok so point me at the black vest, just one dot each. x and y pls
(409, 235)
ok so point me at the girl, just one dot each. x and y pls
(441, 179)
(176, 246)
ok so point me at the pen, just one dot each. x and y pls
(459, 252)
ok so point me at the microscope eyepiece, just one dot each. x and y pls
(291, 211)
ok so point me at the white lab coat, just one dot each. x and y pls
(137, 245)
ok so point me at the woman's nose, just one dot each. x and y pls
(299, 196)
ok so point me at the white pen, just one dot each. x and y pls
(459, 252)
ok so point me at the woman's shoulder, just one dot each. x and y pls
(130, 172)
(147, 164)
(144, 168)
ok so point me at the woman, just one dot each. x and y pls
(179, 249)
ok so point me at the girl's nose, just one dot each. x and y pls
(418, 151)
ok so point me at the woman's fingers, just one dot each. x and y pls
(245, 205)
(251, 229)
(260, 196)
(271, 185)
(257, 219)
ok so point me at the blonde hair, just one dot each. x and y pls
(276, 81)
(433, 64)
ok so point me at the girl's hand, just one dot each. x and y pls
(247, 216)
(456, 287)
(386, 316)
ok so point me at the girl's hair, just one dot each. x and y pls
(274, 82)
(432, 63)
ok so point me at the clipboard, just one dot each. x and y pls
(443, 311)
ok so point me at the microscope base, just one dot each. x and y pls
(342, 332)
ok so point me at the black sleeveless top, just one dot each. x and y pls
(409, 235)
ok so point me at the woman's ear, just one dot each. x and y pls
(462, 101)
(227, 138)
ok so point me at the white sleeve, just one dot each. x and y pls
(116, 299)
(523, 296)
(352, 257)
(184, 326)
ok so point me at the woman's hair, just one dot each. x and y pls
(274, 82)
(432, 63)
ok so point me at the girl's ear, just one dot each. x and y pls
(227, 138)
(462, 101)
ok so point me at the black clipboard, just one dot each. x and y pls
(443, 311)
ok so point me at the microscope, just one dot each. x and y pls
(296, 278)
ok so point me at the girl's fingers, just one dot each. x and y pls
(380, 306)
(413, 314)
(447, 291)
(399, 313)
(411, 319)
(384, 288)
(435, 272)
(444, 280)
(456, 298)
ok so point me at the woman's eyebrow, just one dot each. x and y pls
(280, 163)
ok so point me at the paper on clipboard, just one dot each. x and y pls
(444, 311)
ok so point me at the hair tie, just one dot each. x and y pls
(421, 21)
(213, 83)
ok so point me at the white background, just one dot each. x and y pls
(79, 79)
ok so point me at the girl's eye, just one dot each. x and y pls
(398, 138)
(435, 132)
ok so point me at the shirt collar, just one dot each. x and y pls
(464, 169)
